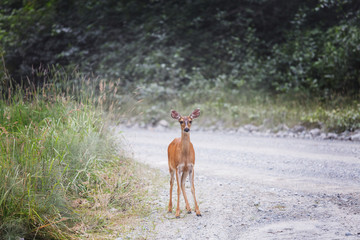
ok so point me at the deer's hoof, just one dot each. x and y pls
(189, 212)
(198, 214)
(177, 216)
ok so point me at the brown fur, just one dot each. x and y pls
(181, 159)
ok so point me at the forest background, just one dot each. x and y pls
(70, 68)
(268, 54)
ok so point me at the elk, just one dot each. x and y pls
(181, 157)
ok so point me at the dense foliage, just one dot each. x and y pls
(295, 47)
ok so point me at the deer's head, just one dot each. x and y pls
(185, 122)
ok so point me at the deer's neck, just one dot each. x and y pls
(185, 143)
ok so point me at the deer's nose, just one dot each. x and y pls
(186, 129)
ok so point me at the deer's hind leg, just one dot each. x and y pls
(177, 214)
(197, 210)
(183, 180)
(172, 173)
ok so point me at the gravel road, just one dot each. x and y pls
(257, 187)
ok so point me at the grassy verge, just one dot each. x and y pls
(232, 108)
(61, 175)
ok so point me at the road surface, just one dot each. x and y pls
(257, 187)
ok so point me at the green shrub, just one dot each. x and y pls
(336, 119)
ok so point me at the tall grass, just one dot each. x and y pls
(55, 155)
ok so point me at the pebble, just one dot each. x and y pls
(331, 136)
(251, 128)
(298, 129)
(356, 137)
(163, 123)
(315, 132)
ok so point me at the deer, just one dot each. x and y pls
(181, 159)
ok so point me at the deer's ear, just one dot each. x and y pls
(195, 113)
(175, 114)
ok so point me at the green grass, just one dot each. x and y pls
(60, 170)
(232, 108)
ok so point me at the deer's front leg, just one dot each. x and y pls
(177, 214)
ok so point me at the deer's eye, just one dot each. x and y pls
(181, 122)
(190, 122)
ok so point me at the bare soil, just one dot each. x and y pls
(255, 187)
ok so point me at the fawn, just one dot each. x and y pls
(181, 157)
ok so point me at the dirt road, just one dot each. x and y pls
(258, 187)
